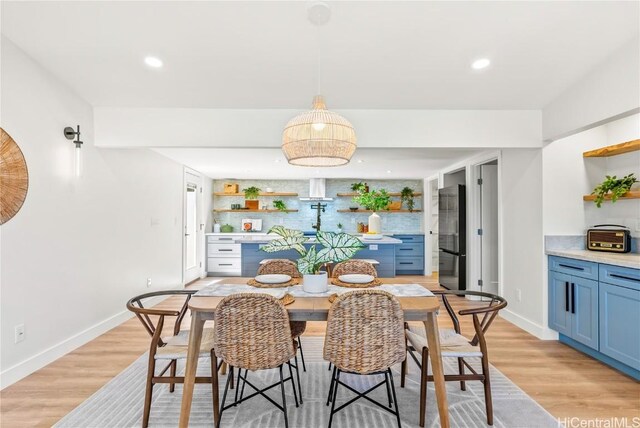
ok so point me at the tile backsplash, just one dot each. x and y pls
(305, 217)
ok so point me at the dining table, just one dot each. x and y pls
(311, 308)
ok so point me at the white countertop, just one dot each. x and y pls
(631, 260)
(385, 240)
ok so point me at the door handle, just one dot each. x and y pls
(573, 298)
(566, 296)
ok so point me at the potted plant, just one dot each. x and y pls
(280, 205)
(339, 227)
(406, 196)
(336, 247)
(360, 187)
(251, 198)
(613, 187)
(375, 200)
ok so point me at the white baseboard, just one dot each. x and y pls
(49, 355)
(537, 330)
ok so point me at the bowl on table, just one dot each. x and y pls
(356, 278)
(273, 278)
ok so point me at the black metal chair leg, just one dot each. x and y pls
(333, 379)
(395, 400)
(329, 367)
(334, 395)
(237, 386)
(386, 382)
(284, 400)
(224, 396)
(293, 384)
(298, 376)
(304, 366)
(246, 373)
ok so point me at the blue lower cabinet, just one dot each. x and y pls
(410, 255)
(560, 302)
(584, 308)
(620, 324)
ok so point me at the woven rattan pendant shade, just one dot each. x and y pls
(318, 137)
(14, 178)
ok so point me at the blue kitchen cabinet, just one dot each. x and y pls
(410, 255)
(559, 302)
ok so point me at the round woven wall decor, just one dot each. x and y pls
(14, 177)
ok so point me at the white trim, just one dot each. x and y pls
(541, 332)
(49, 355)
(195, 177)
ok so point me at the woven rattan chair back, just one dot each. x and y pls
(279, 266)
(252, 331)
(354, 266)
(365, 332)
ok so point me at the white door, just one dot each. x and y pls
(489, 226)
(193, 227)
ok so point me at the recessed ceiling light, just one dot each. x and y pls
(360, 161)
(153, 62)
(277, 160)
(481, 63)
(388, 171)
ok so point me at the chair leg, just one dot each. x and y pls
(224, 396)
(487, 390)
(386, 382)
(149, 391)
(172, 373)
(298, 377)
(334, 394)
(304, 366)
(395, 400)
(333, 379)
(238, 386)
(423, 384)
(293, 384)
(214, 384)
(284, 400)
(461, 371)
(403, 372)
(246, 373)
(329, 367)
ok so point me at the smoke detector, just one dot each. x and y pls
(318, 13)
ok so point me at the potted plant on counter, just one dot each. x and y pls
(613, 187)
(251, 198)
(374, 200)
(336, 247)
(406, 196)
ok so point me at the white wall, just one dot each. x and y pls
(181, 127)
(79, 248)
(568, 176)
(609, 90)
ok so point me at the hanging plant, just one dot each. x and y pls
(613, 187)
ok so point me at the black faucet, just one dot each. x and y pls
(320, 208)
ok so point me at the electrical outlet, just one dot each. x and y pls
(19, 333)
(519, 293)
(148, 282)
(373, 247)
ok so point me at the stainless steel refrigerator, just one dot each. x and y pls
(452, 238)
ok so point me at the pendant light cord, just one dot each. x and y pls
(318, 39)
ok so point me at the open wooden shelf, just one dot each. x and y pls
(632, 194)
(255, 211)
(417, 195)
(379, 212)
(261, 194)
(616, 149)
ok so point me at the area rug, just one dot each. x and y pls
(119, 403)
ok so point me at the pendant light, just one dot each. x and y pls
(319, 137)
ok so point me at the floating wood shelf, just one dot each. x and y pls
(617, 149)
(261, 194)
(255, 211)
(380, 212)
(390, 194)
(632, 194)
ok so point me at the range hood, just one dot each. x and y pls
(317, 190)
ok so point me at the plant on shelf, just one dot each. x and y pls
(613, 187)
(336, 247)
(280, 205)
(374, 200)
(251, 193)
(406, 196)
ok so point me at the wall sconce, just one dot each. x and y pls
(70, 134)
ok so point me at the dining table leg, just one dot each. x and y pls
(193, 352)
(433, 340)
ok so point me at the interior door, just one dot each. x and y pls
(489, 227)
(193, 227)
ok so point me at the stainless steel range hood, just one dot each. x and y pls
(317, 190)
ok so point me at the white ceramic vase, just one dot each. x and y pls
(315, 283)
(374, 223)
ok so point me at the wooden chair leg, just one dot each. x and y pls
(172, 385)
(424, 372)
(461, 371)
(149, 391)
(487, 390)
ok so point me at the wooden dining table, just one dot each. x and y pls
(312, 309)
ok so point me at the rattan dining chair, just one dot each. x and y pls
(287, 267)
(454, 345)
(252, 333)
(354, 266)
(169, 349)
(364, 337)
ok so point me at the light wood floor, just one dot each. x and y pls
(564, 381)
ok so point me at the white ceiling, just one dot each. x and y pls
(392, 54)
(271, 164)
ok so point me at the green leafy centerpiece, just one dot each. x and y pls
(334, 248)
(374, 200)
